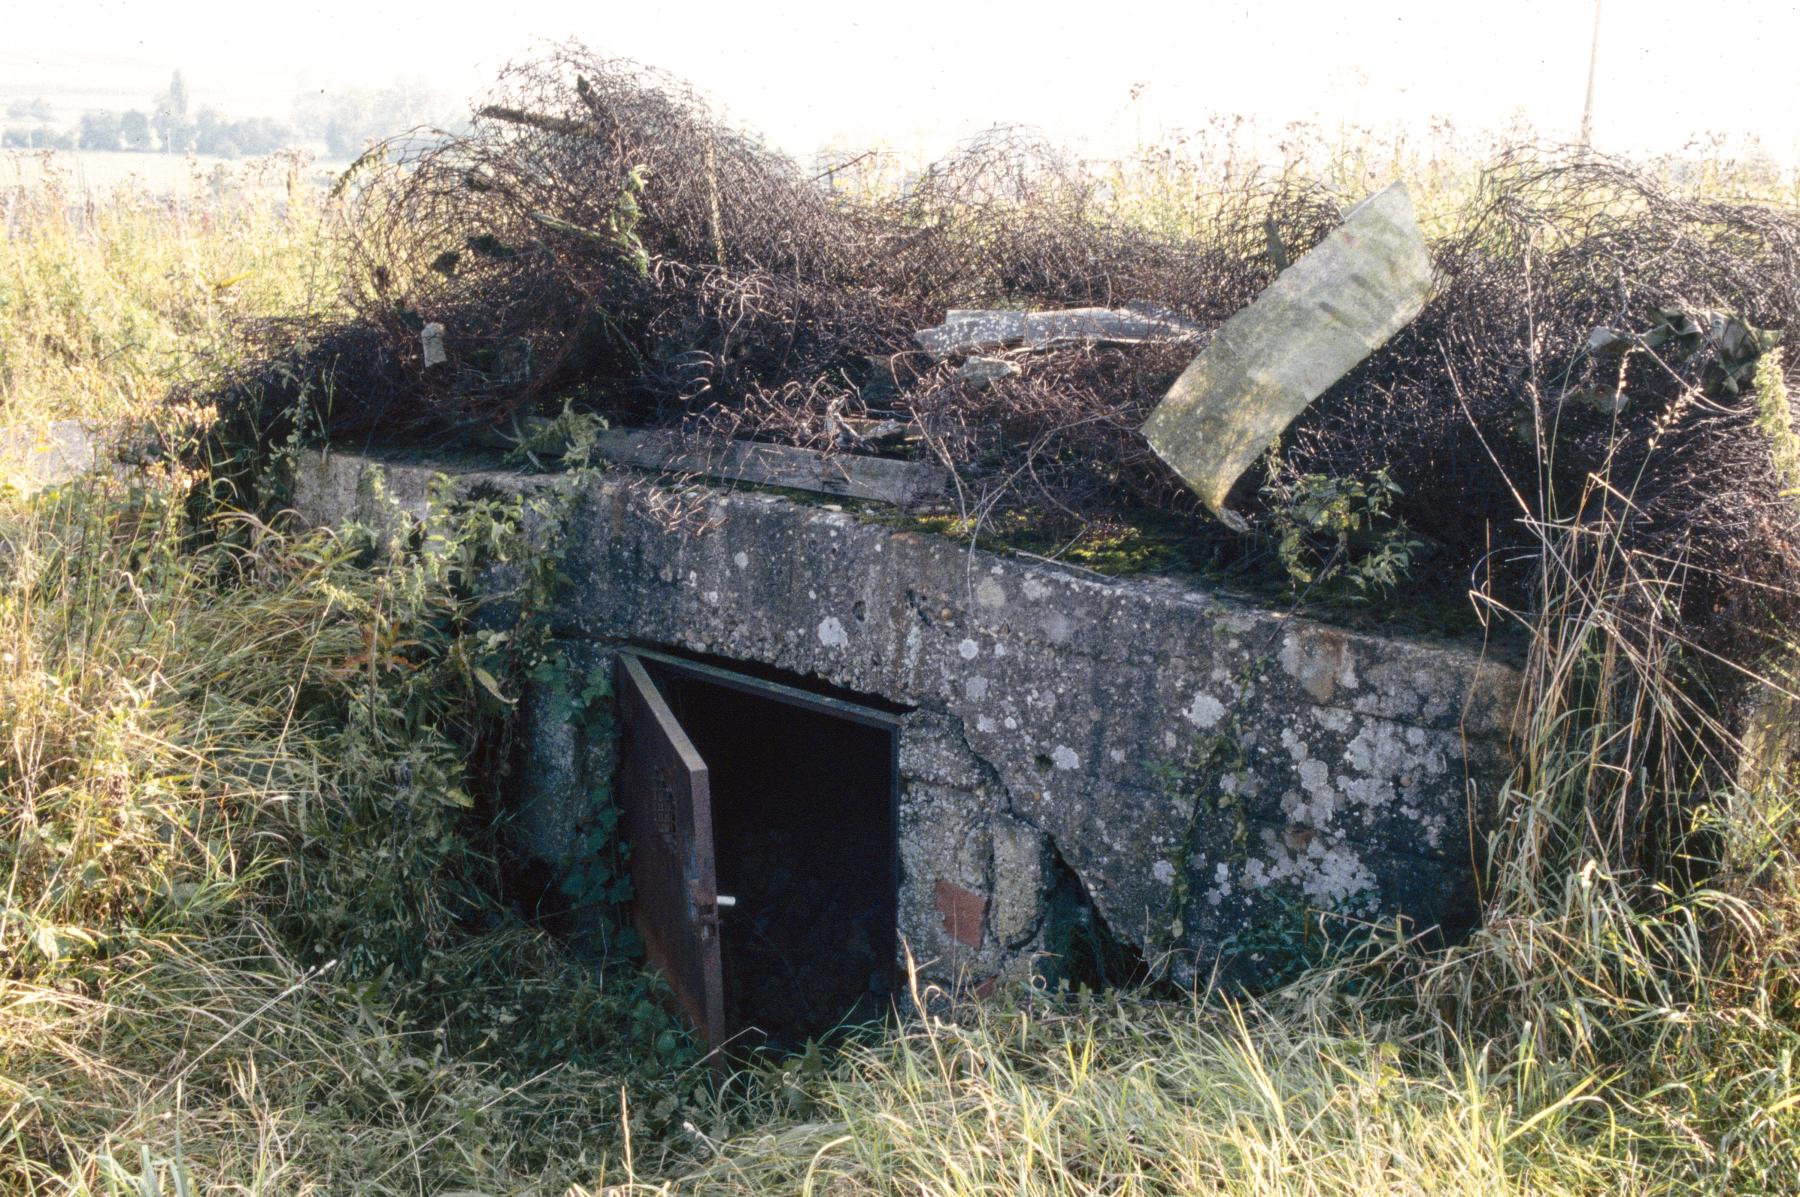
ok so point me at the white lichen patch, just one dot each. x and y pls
(1035, 589)
(832, 633)
(1380, 764)
(1066, 758)
(969, 650)
(976, 688)
(1315, 779)
(1324, 870)
(741, 559)
(1332, 719)
(990, 594)
(1316, 801)
(1386, 749)
(1205, 711)
(1221, 886)
(1163, 871)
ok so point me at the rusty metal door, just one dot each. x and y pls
(667, 802)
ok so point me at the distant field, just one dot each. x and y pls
(103, 171)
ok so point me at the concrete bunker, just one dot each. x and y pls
(1184, 770)
(770, 903)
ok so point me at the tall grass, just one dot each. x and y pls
(249, 937)
(248, 934)
(109, 298)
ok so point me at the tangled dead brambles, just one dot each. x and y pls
(598, 237)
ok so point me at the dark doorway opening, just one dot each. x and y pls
(802, 790)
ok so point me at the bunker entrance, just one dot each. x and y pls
(761, 819)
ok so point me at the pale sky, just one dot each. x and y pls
(921, 74)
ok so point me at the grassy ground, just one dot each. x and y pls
(247, 939)
(247, 942)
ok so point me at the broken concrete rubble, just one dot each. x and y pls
(1311, 326)
(977, 330)
(981, 372)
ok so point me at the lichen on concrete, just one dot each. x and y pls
(1052, 708)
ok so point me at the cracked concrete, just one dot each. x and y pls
(1198, 762)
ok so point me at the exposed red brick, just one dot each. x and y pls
(963, 911)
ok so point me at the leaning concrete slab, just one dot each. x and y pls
(1207, 769)
(1316, 321)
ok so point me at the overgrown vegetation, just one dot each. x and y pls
(251, 930)
(1340, 534)
(252, 934)
(109, 300)
(249, 940)
(600, 236)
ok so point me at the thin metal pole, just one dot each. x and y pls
(1587, 109)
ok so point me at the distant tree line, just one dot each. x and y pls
(35, 110)
(39, 135)
(346, 120)
(168, 127)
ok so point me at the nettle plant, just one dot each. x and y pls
(597, 883)
(1339, 537)
(460, 636)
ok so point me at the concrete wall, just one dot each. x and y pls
(1206, 769)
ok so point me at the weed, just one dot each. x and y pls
(1340, 536)
(1775, 417)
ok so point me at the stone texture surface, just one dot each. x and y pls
(31, 458)
(1201, 765)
